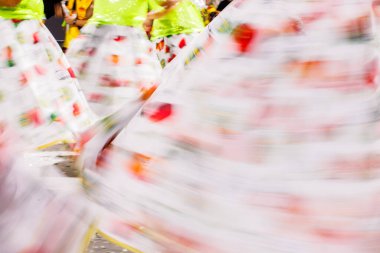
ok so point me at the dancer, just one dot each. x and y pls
(173, 28)
(268, 145)
(39, 92)
(33, 217)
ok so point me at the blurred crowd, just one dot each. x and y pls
(76, 13)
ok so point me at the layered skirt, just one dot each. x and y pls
(39, 94)
(34, 216)
(269, 144)
(115, 65)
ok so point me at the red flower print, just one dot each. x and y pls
(76, 109)
(160, 45)
(119, 38)
(160, 112)
(71, 72)
(36, 38)
(172, 57)
(244, 35)
(182, 43)
(35, 117)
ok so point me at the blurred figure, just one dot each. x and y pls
(80, 11)
(40, 105)
(114, 59)
(38, 90)
(270, 143)
(173, 28)
(33, 218)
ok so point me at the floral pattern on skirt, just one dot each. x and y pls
(39, 94)
(167, 48)
(270, 143)
(115, 66)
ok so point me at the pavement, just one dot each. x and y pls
(100, 245)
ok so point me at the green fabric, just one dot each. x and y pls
(27, 9)
(120, 12)
(185, 18)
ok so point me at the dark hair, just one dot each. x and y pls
(223, 4)
(49, 7)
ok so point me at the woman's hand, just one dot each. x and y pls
(148, 25)
(70, 20)
(9, 3)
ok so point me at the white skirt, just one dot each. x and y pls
(39, 94)
(269, 143)
(115, 66)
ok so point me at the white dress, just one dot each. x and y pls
(269, 143)
(39, 94)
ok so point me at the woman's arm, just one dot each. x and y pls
(9, 3)
(80, 22)
(168, 6)
(58, 11)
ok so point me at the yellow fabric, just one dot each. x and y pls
(209, 13)
(71, 34)
(81, 8)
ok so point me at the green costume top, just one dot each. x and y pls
(120, 12)
(185, 18)
(26, 9)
